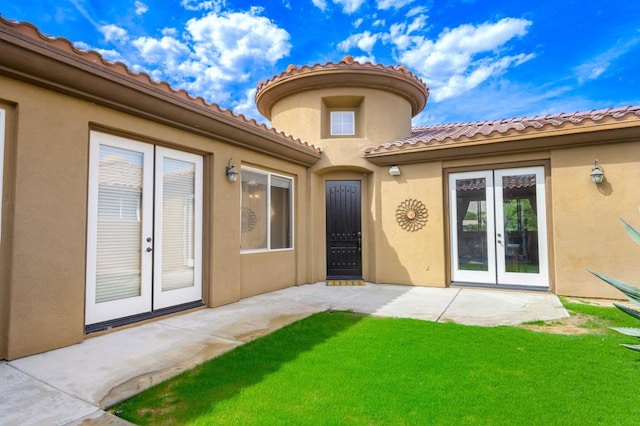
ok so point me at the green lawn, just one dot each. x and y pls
(342, 368)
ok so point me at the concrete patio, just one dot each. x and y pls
(72, 385)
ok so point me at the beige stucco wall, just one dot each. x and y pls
(45, 265)
(410, 257)
(382, 116)
(386, 117)
(586, 226)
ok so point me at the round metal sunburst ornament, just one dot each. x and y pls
(412, 215)
(248, 220)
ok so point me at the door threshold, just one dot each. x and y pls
(502, 286)
(119, 322)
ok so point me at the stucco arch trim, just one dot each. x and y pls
(339, 169)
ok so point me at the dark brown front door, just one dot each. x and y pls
(344, 232)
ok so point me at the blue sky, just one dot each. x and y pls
(482, 59)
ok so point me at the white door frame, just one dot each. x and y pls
(104, 311)
(496, 273)
(151, 296)
(473, 276)
(540, 279)
(165, 298)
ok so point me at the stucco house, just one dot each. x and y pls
(124, 199)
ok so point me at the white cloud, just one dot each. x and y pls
(108, 54)
(378, 23)
(141, 8)
(396, 4)
(458, 83)
(364, 59)
(114, 33)
(418, 10)
(598, 65)
(80, 8)
(214, 54)
(169, 32)
(247, 105)
(504, 99)
(349, 6)
(461, 58)
(211, 5)
(400, 34)
(320, 4)
(357, 22)
(166, 51)
(364, 41)
(238, 41)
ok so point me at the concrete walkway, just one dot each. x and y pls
(71, 386)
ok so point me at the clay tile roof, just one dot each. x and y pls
(444, 134)
(28, 30)
(414, 89)
(346, 63)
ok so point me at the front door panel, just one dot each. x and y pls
(344, 233)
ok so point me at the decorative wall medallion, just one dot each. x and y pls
(412, 215)
(248, 220)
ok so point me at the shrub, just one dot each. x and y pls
(632, 292)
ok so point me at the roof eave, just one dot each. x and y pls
(509, 144)
(407, 87)
(39, 63)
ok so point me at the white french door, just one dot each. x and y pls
(499, 227)
(144, 234)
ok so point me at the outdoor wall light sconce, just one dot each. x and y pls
(597, 175)
(231, 172)
(394, 171)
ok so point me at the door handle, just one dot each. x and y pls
(359, 244)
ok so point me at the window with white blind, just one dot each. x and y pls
(266, 211)
(144, 236)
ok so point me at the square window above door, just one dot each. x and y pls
(343, 123)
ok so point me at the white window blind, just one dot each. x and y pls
(178, 224)
(118, 262)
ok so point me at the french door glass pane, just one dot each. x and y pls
(280, 212)
(520, 224)
(118, 261)
(471, 214)
(178, 227)
(254, 210)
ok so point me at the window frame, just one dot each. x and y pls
(267, 218)
(3, 121)
(342, 113)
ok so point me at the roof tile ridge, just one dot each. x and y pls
(95, 57)
(143, 77)
(346, 62)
